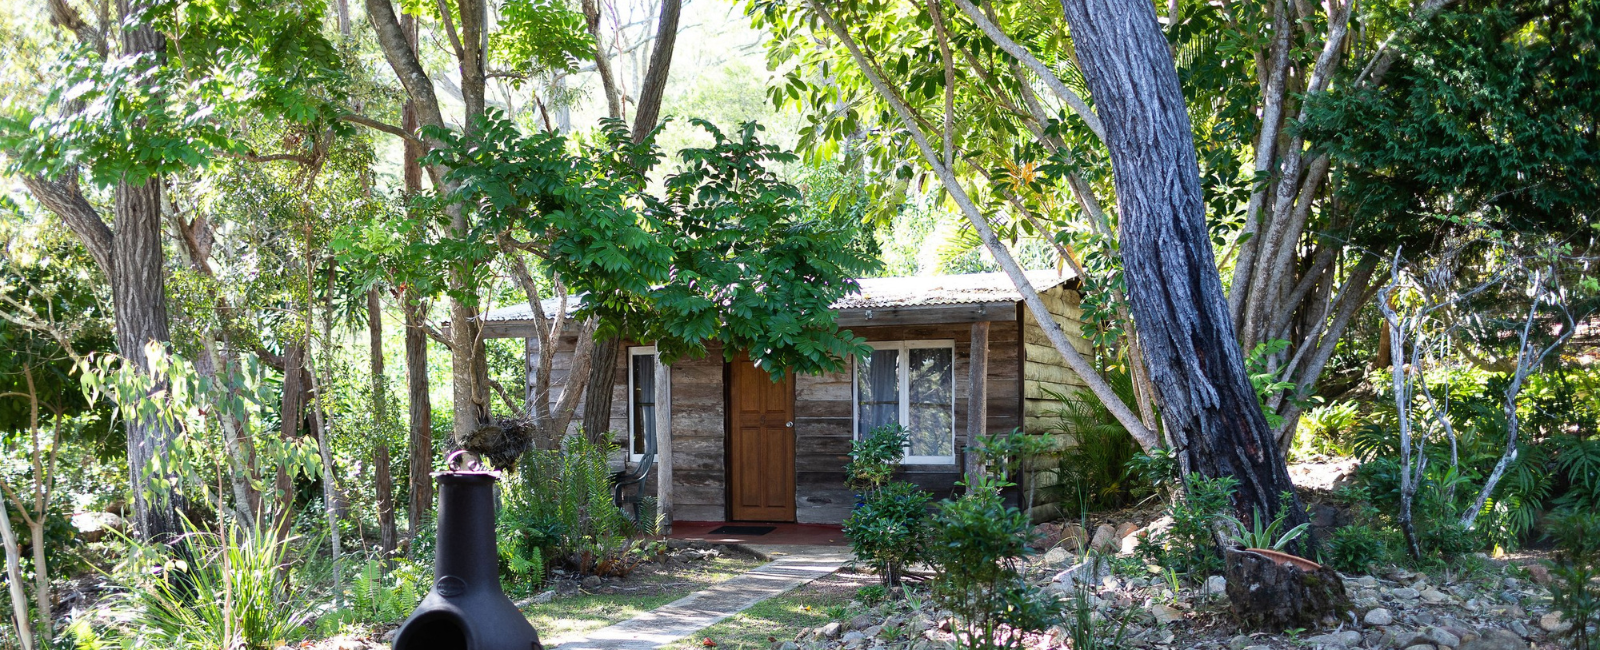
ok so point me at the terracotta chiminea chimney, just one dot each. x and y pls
(466, 610)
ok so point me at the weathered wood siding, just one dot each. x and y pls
(1044, 371)
(824, 412)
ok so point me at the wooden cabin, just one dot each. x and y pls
(734, 446)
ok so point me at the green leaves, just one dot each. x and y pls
(537, 35)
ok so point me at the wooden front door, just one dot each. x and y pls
(760, 445)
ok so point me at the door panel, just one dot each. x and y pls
(760, 445)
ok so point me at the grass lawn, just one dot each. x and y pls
(568, 616)
(780, 618)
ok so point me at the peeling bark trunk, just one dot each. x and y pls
(1174, 290)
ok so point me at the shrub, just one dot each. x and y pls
(1095, 470)
(890, 529)
(1355, 547)
(977, 545)
(1189, 546)
(875, 457)
(216, 592)
(872, 594)
(564, 513)
(379, 597)
(1577, 569)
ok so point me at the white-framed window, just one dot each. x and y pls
(910, 383)
(641, 400)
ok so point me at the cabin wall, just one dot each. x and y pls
(824, 415)
(1045, 371)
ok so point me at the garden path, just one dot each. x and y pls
(794, 566)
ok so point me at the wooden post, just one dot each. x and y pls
(664, 444)
(977, 397)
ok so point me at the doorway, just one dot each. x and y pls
(760, 444)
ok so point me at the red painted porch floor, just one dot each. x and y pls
(784, 535)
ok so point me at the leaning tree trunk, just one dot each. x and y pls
(1209, 404)
(597, 395)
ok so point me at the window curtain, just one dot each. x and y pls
(643, 402)
(932, 397)
(878, 390)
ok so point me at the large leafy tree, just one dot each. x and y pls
(149, 90)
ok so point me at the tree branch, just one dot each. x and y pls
(1022, 54)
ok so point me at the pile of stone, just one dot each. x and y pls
(1502, 607)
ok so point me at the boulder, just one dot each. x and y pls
(1089, 572)
(1496, 639)
(1553, 624)
(1104, 540)
(1538, 572)
(829, 631)
(1342, 639)
(1074, 538)
(1058, 556)
(1165, 615)
(1405, 593)
(1127, 528)
(860, 622)
(1433, 596)
(1215, 586)
(1442, 637)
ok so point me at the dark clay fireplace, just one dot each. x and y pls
(466, 610)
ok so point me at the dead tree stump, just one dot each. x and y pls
(1269, 592)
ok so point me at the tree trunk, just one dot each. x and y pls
(383, 481)
(1272, 594)
(421, 442)
(41, 579)
(1174, 291)
(655, 79)
(19, 601)
(597, 395)
(291, 414)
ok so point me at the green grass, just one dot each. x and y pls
(569, 616)
(776, 619)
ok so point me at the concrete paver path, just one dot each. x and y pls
(699, 610)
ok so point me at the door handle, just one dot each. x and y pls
(788, 425)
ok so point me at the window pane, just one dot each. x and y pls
(932, 393)
(643, 402)
(878, 390)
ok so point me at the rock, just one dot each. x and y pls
(1421, 646)
(1511, 583)
(1496, 639)
(853, 637)
(591, 582)
(1129, 544)
(829, 631)
(1442, 637)
(1538, 572)
(1074, 538)
(1088, 572)
(1405, 593)
(1057, 556)
(1215, 586)
(1379, 616)
(1046, 535)
(1433, 596)
(1553, 624)
(1368, 582)
(1165, 615)
(860, 622)
(1239, 642)
(788, 645)
(1104, 540)
(1126, 529)
(1520, 629)
(873, 632)
(1343, 639)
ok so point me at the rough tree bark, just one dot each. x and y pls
(598, 393)
(420, 443)
(383, 481)
(1175, 293)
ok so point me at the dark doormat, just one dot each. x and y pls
(743, 530)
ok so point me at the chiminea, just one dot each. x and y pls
(466, 610)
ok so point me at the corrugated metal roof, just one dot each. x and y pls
(879, 293)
